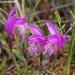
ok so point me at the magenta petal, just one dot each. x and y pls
(63, 38)
(50, 50)
(26, 37)
(52, 28)
(35, 29)
(20, 18)
(24, 27)
(20, 21)
(21, 30)
(36, 41)
(52, 39)
(42, 48)
(33, 38)
(11, 12)
(42, 40)
(32, 48)
(9, 24)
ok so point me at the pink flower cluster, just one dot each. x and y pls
(51, 43)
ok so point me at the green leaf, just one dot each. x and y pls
(45, 0)
(74, 11)
(26, 69)
(17, 73)
(37, 3)
(70, 50)
(17, 68)
(3, 66)
(58, 17)
(72, 14)
(31, 73)
(16, 65)
(57, 27)
(19, 55)
(63, 26)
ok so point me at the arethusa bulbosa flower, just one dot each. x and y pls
(13, 22)
(54, 41)
(37, 40)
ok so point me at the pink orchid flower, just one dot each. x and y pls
(54, 41)
(13, 22)
(37, 40)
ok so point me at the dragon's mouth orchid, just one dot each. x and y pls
(54, 41)
(13, 22)
(37, 40)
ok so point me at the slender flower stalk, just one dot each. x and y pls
(16, 65)
(12, 43)
(13, 57)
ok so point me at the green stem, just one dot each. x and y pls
(13, 57)
(23, 7)
(41, 58)
(60, 29)
(52, 69)
(37, 3)
(18, 6)
(16, 65)
(70, 51)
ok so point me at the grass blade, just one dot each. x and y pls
(70, 51)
